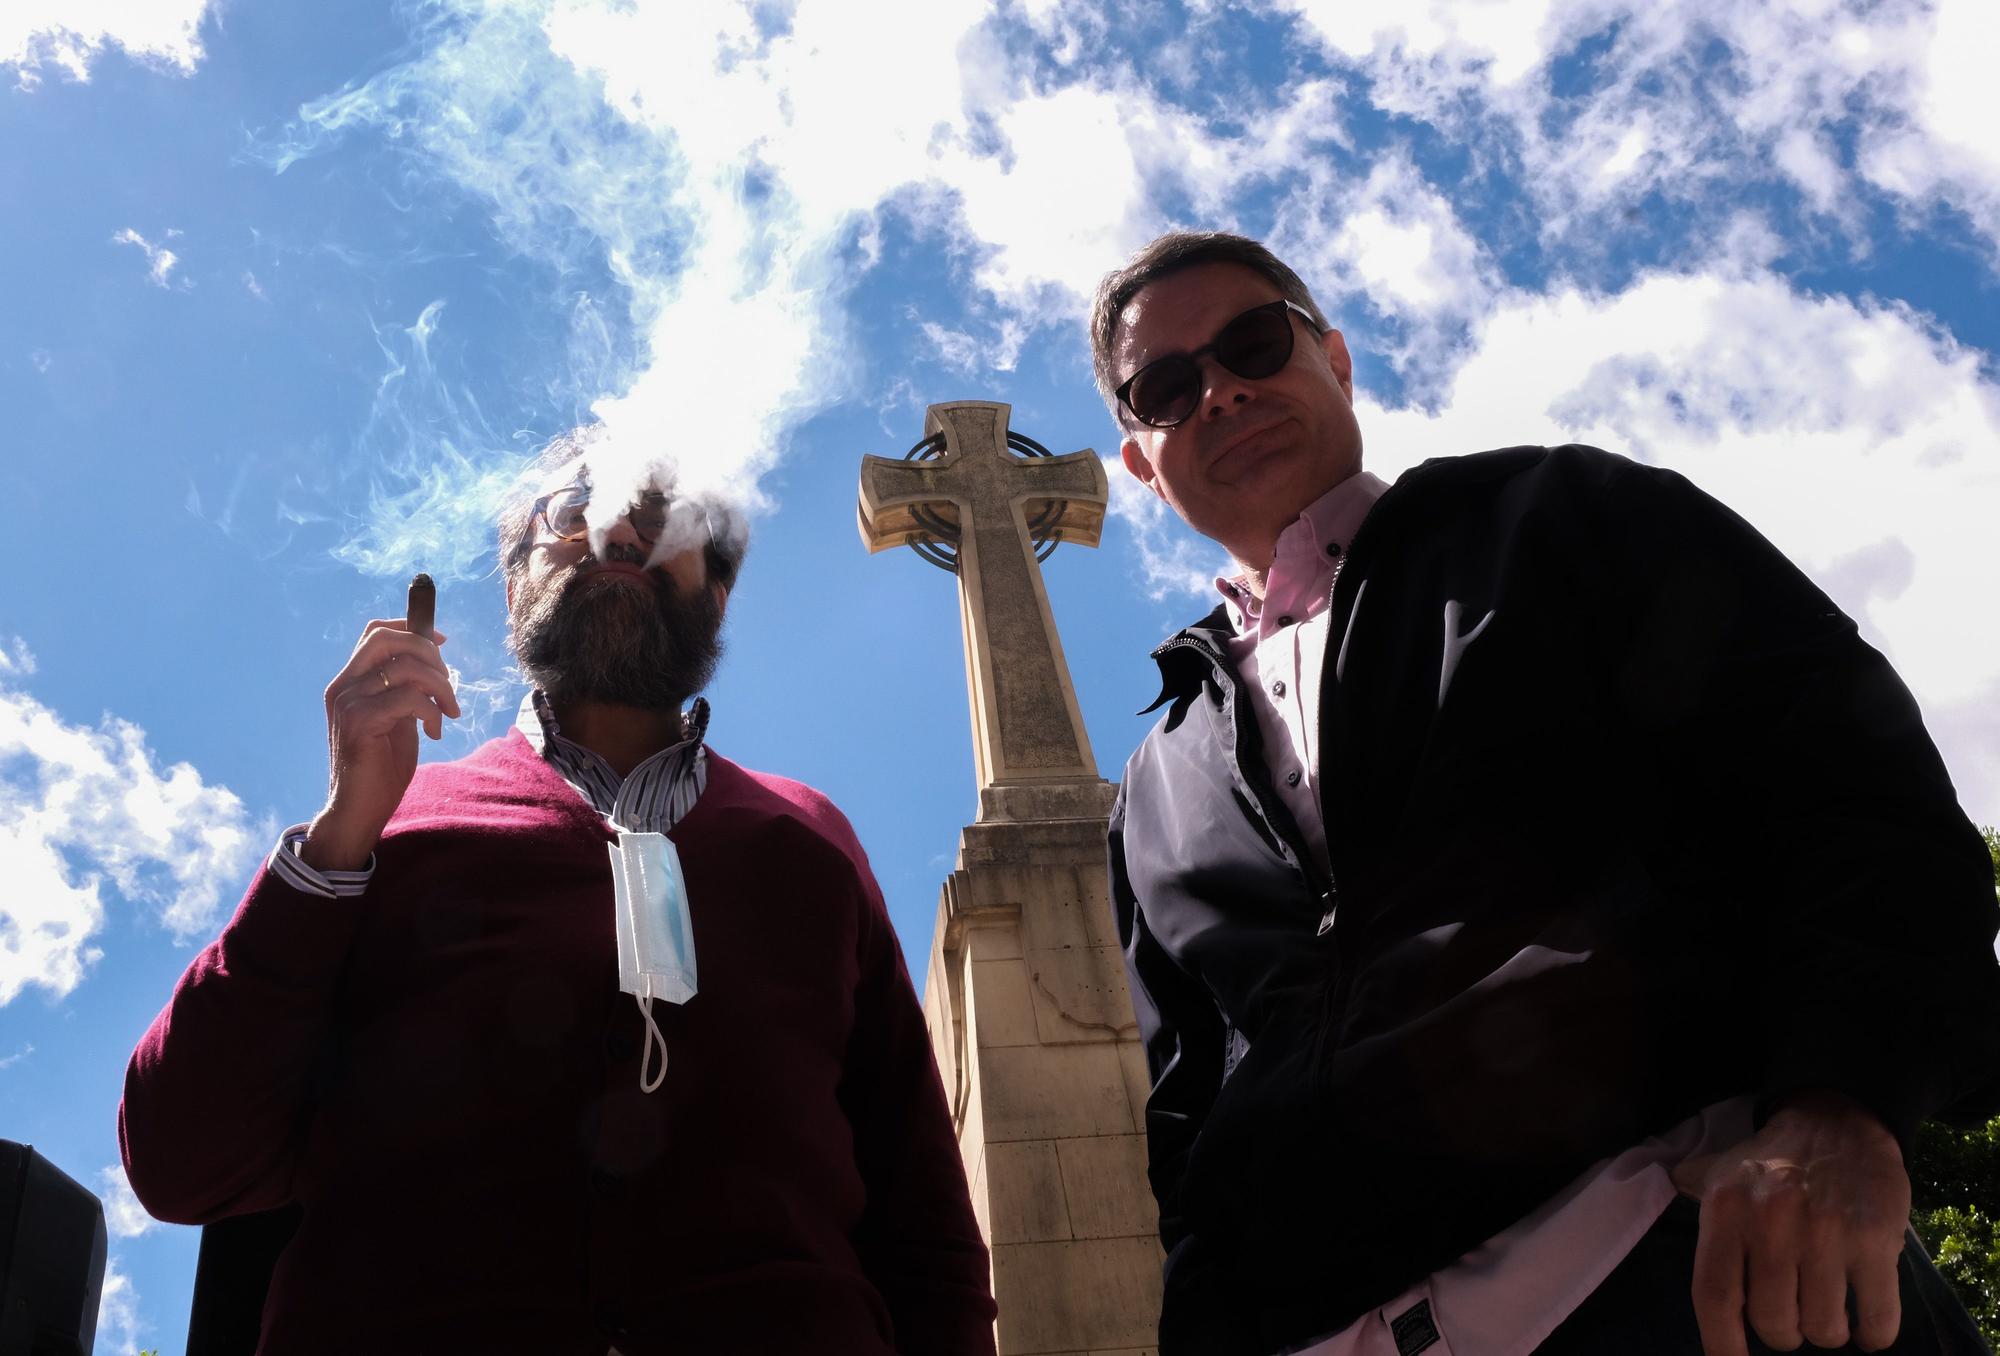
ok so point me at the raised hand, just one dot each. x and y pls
(392, 683)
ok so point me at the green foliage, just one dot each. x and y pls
(1955, 1194)
(1955, 1197)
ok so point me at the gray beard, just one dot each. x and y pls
(588, 641)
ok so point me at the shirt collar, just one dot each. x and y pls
(536, 720)
(1307, 552)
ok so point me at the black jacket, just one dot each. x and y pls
(1667, 831)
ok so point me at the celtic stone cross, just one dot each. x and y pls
(966, 501)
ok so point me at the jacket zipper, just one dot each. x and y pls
(1331, 899)
(1330, 895)
(1337, 997)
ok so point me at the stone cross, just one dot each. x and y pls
(1027, 733)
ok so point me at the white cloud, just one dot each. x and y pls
(969, 355)
(16, 659)
(123, 1215)
(117, 1310)
(71, 34)
(1687, 94)
(955, 348)
(1494, 40)
(160, 261)
(10, 1061)
(1173, 561)
(1393, 241)
(1080, 174)
(81, 809)
(1948, 150)
(1806, 157)
(46, 924)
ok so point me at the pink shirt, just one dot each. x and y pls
(1280, 642)
(1507, 1295)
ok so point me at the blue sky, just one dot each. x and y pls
(288, 291)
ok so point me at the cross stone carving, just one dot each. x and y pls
(990, 507)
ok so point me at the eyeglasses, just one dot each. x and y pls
(1257, 343)
(563, 513)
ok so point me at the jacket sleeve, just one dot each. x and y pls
(216, 1092)
(1183, 1037)
(918, 1238)
(1820, 791)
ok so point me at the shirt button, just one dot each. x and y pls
(1292, 777)
(1278, 688)
(1333, 548)
(1285, 620)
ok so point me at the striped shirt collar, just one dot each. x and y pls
(660, 790)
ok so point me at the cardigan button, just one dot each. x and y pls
(1278, 688)
(1292, 777)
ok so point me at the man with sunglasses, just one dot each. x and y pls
(592, 1040)
(1546, 919)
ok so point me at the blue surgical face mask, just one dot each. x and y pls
(655, 935)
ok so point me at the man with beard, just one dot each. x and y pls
(590, 1040)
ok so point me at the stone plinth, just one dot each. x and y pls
(1033, 1031)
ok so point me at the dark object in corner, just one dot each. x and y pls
(52, 1250)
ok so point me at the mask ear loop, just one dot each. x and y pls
(653, 1037)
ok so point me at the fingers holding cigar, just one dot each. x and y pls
(384, 640)
(393, 682)
(417, 644)
(392, 676)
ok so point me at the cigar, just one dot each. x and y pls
(422, 610)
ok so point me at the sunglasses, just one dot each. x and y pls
(1257, 343)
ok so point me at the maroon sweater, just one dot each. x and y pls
(445, 1075)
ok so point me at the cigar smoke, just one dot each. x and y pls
(621, 471)
(704, 285)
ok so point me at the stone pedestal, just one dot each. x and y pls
(1033, 1031)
